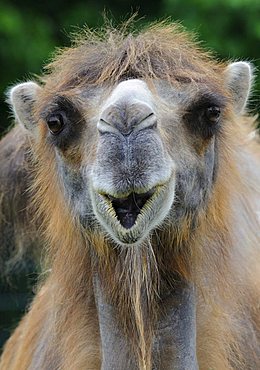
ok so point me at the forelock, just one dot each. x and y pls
(159, 51)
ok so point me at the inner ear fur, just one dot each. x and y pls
(22, 98)
(238, 78)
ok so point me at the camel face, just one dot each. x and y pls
(131, 155)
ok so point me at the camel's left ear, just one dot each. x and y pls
(22, 98)
(238, 78)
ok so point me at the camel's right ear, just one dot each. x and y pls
(22, 98)
(238, 79)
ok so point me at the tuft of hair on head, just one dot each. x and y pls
(161, 50)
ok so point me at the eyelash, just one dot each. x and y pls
(203, 119)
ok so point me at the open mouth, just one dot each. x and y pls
(127, 209)
(129, 218)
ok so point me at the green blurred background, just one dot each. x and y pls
(30, 30)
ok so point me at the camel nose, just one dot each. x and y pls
(125, 118)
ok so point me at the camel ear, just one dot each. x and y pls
(22, 98)
(239, 77)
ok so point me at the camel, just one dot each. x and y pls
(139, 168)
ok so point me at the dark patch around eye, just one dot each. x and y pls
(207, 100)
(199, 116)
(72, 118)
(183, 79)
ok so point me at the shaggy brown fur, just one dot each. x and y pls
(18, 231)
(220, 255)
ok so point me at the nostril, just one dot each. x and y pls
(104, 127)
(149, 121)
(126, 118)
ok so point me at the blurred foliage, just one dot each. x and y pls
(229, 27)
(30, 30)
(15, 295)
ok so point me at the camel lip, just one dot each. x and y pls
(135, 225)
(128, 208)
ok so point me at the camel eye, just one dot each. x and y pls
(213, 114)
(203, 117)
(56, 123)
